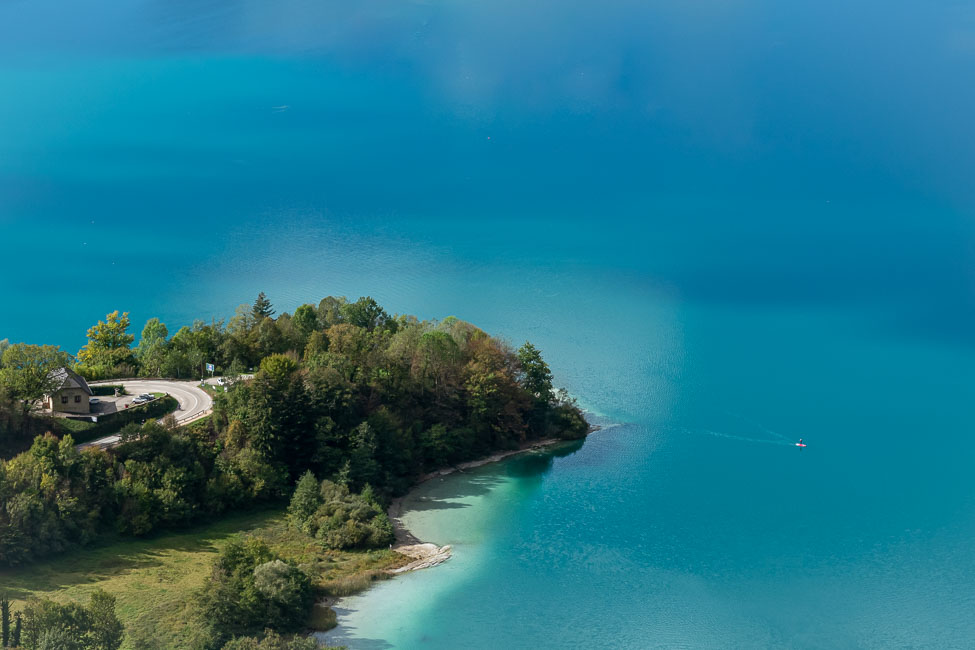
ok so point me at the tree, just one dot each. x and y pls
(262, 308)
(18, 622)
(366, 312)
(330, 311)
(50, 625)
(236, 344)
(251, 589)
(362, 459)
(435, 362)
(29, 371)
(106, 631)
(108, 342)
(305, 319)
(151, 350)
(267, 338)
(305, 500)
(4, 344)
(4, 622)
(496, 401)
(536, 377)
(280, 425)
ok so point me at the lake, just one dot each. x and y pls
(727, 226)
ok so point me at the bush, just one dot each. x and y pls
(322, 618)
(274, 641)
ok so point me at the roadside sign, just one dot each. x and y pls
(210, 367)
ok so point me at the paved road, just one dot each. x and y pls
(194, 402)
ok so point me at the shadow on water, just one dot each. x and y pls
(449, 492)
(449, 496)
(539, 463)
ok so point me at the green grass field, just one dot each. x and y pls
(154, 579)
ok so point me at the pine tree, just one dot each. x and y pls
(17, 624)
(262, 308)
(305, 501)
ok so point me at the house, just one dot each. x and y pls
(71, 395)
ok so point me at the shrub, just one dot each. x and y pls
(274, 641)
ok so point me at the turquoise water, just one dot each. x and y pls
(727, 225)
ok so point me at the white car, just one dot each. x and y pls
(94, 400)
(221, 380)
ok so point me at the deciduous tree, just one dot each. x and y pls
(28, 371)
(108, 342)
(366, 312)
(536, 377)
(106, 631)
(151, 351)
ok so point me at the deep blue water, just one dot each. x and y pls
(752, 219)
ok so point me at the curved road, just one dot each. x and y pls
(194, 402)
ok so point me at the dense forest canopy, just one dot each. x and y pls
(342, 392)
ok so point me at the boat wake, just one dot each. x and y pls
(782, 442)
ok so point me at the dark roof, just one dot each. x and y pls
(67, 378)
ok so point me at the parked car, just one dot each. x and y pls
(94, 400)
(221, 380)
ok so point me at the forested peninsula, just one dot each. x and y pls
(331, 411)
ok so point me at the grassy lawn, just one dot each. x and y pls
(211, 390)
(154, 579)
(67, 425)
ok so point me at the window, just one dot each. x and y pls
(64, 399)
(77, 399)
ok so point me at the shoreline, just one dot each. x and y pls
(426, 554)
